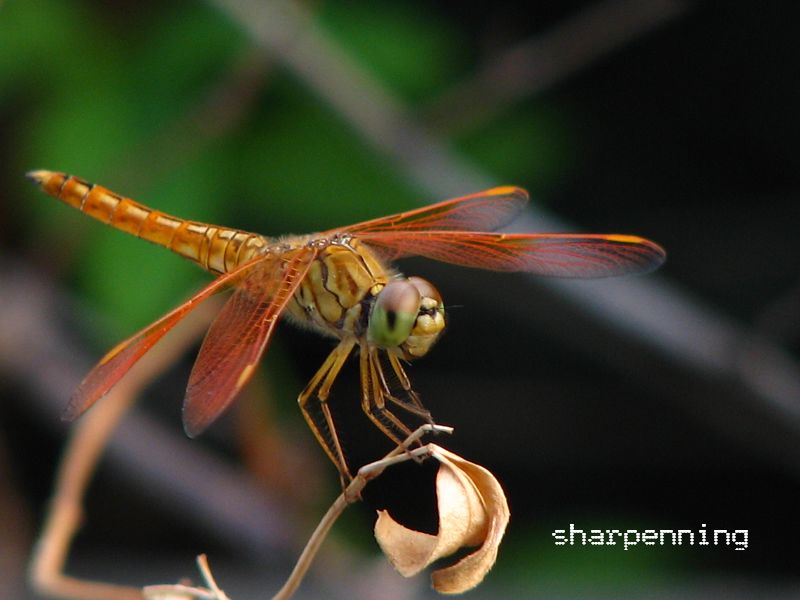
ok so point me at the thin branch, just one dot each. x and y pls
(348, 496)
(81, 456)
(205, 571)
(351, 494)
(540, 63)
(171, 592)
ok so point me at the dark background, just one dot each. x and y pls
(676, 121)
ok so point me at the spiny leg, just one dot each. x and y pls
(373, 394)
(415, 406)
(321, 383)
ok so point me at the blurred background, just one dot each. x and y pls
(665, 401)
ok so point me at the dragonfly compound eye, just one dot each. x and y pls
(394, 314)
(430, 295)
(430, 320)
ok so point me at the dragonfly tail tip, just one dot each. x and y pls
(38, 176)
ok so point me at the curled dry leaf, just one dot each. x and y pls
(472, 512)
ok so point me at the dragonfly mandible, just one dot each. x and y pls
(339, 282)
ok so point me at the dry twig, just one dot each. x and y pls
(78, 465)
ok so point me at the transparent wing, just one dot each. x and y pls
(123, 356)
(484, 211)
(239, 335)
(557, 255)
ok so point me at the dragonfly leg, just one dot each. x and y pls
(320, 385)
(374, 392)
(415, 405)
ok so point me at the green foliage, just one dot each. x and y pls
(527, 144)
(30, 33)
(112, 93)
(308, 171)
(410, 51)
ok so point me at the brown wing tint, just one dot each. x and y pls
(239, 335)
(122, 357)
(485, 211)
(558, 255)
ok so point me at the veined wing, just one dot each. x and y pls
(124, 355)
(239, 335)
(485, 211)
(557, 255)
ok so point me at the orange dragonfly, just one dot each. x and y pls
(338, 282)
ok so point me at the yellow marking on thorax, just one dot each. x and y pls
(339, 279)
(326, 303)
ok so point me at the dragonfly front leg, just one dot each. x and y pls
(374, 392)
(415, 405)
(321, 385)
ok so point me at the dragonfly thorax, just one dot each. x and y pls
(350, 292)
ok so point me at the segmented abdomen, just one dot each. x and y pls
(217, 249)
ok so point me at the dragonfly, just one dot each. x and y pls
(342, 284)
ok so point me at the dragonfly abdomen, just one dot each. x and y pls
(216, 249)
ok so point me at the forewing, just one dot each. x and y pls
(237, 338)
(123, 356)
(484, 211)
(556, 255)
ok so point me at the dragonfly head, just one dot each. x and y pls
(407, 315)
